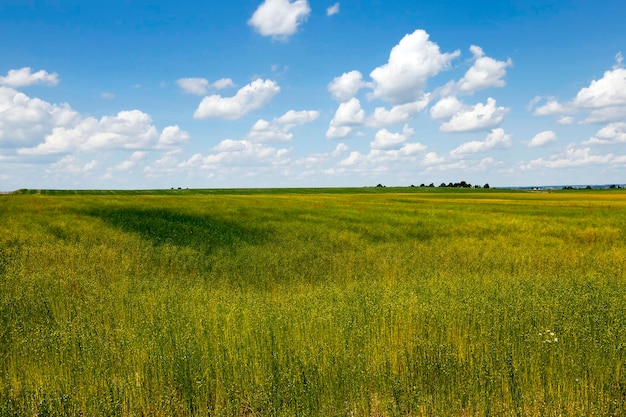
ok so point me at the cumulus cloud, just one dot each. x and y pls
(446, 108)
(127, 130)
(572, 157)
(485, 73)
(279, 129)
(613, 133)
(23, 77)
(542, 139)
(411, 63)
(607, 114)
(127, 164)
(497, 139)
(198, 86)
(280, 18)
(251, 97)
(472, 118)
(348, 115)
(385, 139)
(380, 159)
(338, 132)
(24, 120)
(201, 86)
(565, 120)
(608, 91)
(604, 99)
(400, 113)
(345, 87)
(332, 10)
(553, 107)
(234, 153)
(172, 137)
(71, 164)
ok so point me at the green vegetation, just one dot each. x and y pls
(371, 302)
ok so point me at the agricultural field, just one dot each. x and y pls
(361, 302)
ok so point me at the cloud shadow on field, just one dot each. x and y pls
(161, 226)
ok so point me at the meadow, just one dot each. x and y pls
(362, 302)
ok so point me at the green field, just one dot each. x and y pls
(362, 302)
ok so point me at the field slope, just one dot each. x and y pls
(394, 302)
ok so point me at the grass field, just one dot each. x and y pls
(363, 302)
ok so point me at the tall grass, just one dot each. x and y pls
(401, 304)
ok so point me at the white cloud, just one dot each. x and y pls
(172, 137)
(604, 98)
(25, 120)
(339, 149)
(126, 165)
(385, 139)
(607, 114)
(198, 86)
(127, 130)
(35, 127)
(542, 138)
(280, 18)
(411, 63)
(279, 129)
(552, 107)
(23, 77)
(348, 115)
(400, 113)
(565, 120)
(352, 159)
(107, 96)
(223, 83)
(497, 139)
(485, 73)
(383, 159)
(237, 153)
(345, 87)
(571, 158)
(71, 164)
(608, 91)
(338, 132)
(614, 133)
(294, 118)
(201, 86)
(251, 97)
(445, 108)
(431, 158)
(479, 117)
(332, 10)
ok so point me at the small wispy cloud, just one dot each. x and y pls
(332, 10)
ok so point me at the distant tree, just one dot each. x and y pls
(422, 185)
(431, 185)
(588, 187)
(380, 185)
(442, 185)
(486, 186)
(613, 186)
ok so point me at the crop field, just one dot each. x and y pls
(362, 302)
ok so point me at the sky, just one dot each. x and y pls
(125, 94)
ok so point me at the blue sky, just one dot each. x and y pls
(284, 93)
